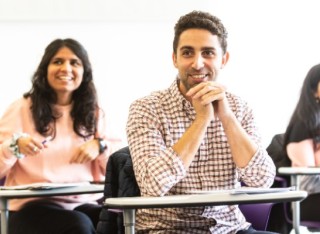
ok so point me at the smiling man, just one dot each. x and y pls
(196, 136)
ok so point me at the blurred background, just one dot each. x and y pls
(272, 45)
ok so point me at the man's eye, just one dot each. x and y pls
(186, 53)
(208, 53)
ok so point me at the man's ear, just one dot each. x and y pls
(225, 59)
(174, 59)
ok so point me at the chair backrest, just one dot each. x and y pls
(120, 179)
(120, 182)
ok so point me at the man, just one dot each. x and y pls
(196, 136)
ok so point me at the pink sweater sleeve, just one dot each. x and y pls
(10, 123)
(302, 153)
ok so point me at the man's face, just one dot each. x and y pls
(199, 58)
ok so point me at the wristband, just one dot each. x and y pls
(102, 145)
(14, 148)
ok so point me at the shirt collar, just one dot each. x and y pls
(178, 98)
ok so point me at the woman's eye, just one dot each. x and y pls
(58, 62)
(76, 63)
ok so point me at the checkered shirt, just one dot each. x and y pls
(155, 124)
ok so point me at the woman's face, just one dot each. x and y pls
(65, 74)
(317, 94)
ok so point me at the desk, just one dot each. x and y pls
(6, 195)
(294, 173)
(129, 204)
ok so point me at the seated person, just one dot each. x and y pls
(302, 141)
(196, 136)
(62, 108)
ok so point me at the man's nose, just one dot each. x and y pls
(198, 62)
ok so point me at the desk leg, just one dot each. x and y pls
(4, 215)
(129, 217)
(295, 206)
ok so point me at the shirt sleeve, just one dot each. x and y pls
(261, 170)
(157, 167)
(10, 123)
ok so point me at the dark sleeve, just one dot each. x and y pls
(299, 133)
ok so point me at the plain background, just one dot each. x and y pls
(272, 43)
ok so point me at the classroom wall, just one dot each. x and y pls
(272, 45)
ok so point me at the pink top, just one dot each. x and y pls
(302, 154)
(52, 163)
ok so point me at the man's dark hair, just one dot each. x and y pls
(200, 20)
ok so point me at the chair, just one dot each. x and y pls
(283, 215)
(120, 182)
(258, 221)
(2, 181)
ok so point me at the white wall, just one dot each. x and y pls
(272, 45)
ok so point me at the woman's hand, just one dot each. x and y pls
(29, 146)
(87, 152)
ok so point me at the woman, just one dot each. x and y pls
(302, 141)
(55, 133)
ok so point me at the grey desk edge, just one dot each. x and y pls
(6, 195)
(130, 204)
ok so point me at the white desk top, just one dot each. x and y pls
(219, 198)
(89, 188)
(299, 170)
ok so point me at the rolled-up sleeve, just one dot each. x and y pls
(157, 167)
(260, 171)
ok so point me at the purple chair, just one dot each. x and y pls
(2, 180)
(257, 214)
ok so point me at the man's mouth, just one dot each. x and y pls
(198, 77)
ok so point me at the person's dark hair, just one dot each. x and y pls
(307, 110)
(85, 101)
(200, 20)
